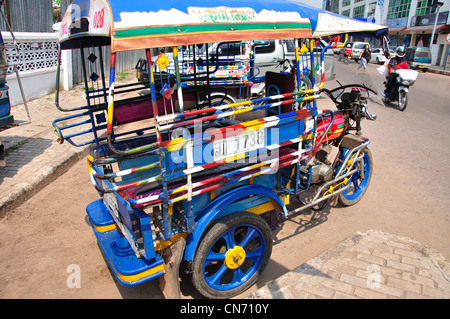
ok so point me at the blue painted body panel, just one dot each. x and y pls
(212, 210)
(117, 250)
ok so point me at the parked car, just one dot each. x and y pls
(379, 57)
(357, 48)
(419, 58)
(268, 54)
(336, 50)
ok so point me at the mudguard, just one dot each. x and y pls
(209, 213)
(403, 88)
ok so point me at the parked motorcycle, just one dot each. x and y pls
(400, 89)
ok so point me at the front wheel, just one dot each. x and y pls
(359, 180)
(402, 100)
(231, 255)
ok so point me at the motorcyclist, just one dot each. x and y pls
(396, 63)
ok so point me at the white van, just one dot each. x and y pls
(269, 53)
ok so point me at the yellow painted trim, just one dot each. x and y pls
(176, 144)
(144, 274)
(286, 199)
(261, 209)
(89, 163)
(266, 207)
(164, 244)
(104, 229)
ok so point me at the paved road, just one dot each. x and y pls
(407, 198)
(411, 157)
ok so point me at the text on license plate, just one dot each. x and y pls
(238, 144)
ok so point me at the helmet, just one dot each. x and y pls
(349, 45)
(401, 51)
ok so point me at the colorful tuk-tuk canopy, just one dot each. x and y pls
(139, 24)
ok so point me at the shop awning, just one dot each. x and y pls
(397, 30)
(423, 28)
(444, 28)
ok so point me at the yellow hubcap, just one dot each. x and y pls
(234, 257)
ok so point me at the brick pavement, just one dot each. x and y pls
(371, 265)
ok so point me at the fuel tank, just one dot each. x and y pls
(336, 130)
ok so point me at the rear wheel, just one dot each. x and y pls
(222, 100)
(402, 100)
(359, 181)
(231, 255)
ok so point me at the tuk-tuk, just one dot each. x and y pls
(419, 58)
(187, 178)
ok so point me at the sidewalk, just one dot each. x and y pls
(439, 70)
(33, 157)
(369, 265)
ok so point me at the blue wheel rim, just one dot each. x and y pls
(216, 274)
(358, 186)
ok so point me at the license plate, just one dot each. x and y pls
(420, 66)
(238, 144)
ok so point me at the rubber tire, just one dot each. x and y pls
(215, 100)
(305, 84)
(213, 234)
(343, 198)
(227, 100)
(402, 106)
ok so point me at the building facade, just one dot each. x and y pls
(410, 22)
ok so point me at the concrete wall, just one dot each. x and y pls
(36, 61)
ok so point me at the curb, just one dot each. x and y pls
(437, 71)
(25, 190)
